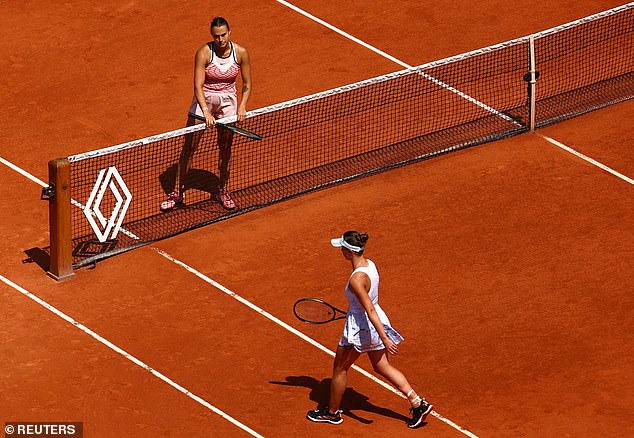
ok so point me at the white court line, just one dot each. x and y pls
(23, 172)
(128, 356)
(399, 62)
(345, 34)
(586, 158)
(299, 334)
(442, 84)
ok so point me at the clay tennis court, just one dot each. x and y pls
(506, 266)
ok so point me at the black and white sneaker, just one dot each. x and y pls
(323, 415)
(419, 414)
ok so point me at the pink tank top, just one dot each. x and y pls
(221, 73)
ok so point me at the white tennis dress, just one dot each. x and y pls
(359, 331)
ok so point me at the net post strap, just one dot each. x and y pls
(61, 261)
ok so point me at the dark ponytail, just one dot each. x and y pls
(357, 239)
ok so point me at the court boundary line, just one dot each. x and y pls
(128, 356)
(586, 158)
(461, 94)
(301, 335)
(22, 172)
(404, 64)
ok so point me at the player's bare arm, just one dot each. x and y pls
(360, 285)
(245, 69)
(203, 54)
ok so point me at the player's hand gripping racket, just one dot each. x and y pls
(236, 129)
(316, 311)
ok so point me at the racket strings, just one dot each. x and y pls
(314, 311)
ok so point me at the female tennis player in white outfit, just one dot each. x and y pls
(367, 330)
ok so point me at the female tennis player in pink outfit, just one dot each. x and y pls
(216, 68)
(367, 330)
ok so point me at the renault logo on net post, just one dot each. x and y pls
(108, 227)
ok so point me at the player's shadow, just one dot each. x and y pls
(352, 402)
(197, 179)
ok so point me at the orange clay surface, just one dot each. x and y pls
(507, 267)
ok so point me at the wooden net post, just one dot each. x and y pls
(58, 191)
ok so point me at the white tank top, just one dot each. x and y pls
(354, 306)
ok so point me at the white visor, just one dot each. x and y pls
(338, 242)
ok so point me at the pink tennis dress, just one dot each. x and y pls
(220, 85)
(359, 331)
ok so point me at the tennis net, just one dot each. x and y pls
(352, 131)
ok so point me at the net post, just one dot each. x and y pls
(531, 85)
(61, 258)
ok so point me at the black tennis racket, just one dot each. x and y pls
(236, 129)
(316, 311)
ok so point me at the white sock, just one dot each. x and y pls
(414, 398)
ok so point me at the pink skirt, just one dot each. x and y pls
(220, 105)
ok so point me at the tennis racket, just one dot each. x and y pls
(232, 128)
(316, 311)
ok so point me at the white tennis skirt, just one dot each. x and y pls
(360, 333)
